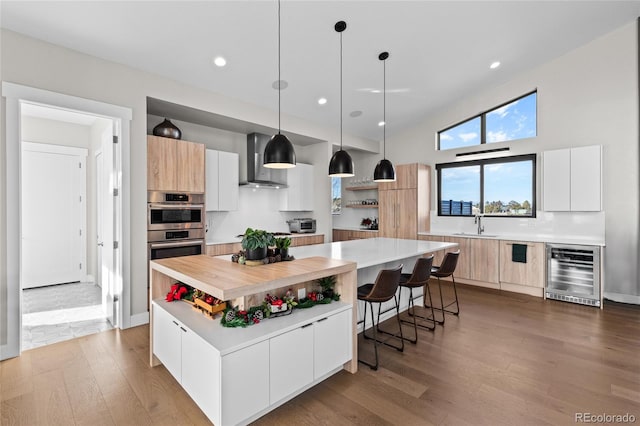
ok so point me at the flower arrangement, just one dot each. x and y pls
(179, 291)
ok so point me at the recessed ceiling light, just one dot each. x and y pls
(280, 84)
(376, 91)
(381, 123)
(355, 114)
(322, 101)
(220, 61)
(494, 65)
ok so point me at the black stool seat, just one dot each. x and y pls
(383, 290)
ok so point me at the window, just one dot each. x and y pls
(514, 120)
(494, 187)
(336, 195)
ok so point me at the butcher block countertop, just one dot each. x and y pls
(227, 280)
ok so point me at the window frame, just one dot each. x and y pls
(482, 163)
(483, 123)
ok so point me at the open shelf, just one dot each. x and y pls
(361, 188)
(363, 206)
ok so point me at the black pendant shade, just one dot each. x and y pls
(279, 153)
(384, 171)
(341, 164)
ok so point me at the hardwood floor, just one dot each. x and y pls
(508, 359)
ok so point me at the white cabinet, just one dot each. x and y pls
(291, 362)
(223, 178)
(299, 194)
(167, 338)
(235, 384)
(331, 343)
(572, 179)
(245, 383)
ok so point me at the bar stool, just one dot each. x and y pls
(419, 278)
(446, 269)
(383, 290)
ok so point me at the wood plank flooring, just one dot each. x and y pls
(507, 360)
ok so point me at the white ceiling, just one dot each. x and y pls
(440, 51)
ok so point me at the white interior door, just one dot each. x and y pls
(100, 182)
(53, 209)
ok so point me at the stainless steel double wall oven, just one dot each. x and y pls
(175, 224)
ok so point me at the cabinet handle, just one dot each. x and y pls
(183, 329)
(323, 319)
(175, 323)
(528, 245)
(307, 325)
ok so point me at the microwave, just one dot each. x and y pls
(175, 211)
(302, 225)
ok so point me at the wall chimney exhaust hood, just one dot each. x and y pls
(259, 176)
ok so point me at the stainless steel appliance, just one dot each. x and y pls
(573, 274)
(174, 210)
(175, 224)
(302, 225)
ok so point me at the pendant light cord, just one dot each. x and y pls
(384, 108)
(279, 80)
(341, 91)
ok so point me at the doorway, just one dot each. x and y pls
(15, 97)
(65, 276)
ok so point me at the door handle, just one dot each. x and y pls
(101, 244)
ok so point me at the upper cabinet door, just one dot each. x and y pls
(556, 178)
(212, 181)
(572, 179)
(586, 172)
(228, 180)
(406, 178)
(161, 163)
(299, 194)
(190, 166)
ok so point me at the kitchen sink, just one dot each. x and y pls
(471, 234)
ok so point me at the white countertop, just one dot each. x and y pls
(370, 251)
(534, 238)
(232, 240)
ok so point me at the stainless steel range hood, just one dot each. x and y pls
(259, 176)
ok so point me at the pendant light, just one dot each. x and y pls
(341, 164)
(384, 171)
(279, 152)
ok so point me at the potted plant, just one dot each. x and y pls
(255, 243)
(327, 284)
(282, 247)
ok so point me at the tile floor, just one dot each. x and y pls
(61, 312)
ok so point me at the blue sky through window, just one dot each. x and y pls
(461, 184)
(508, 181)
(465, 134)
(516, 120)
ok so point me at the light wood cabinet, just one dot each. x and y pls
(223, 179)
(347, 235)
(307, 240)
(403, 206)
(484, 262)
(231, 248)
(463, 268)
(529, 274)
(437, 256)
(175, 165)
(572, 179)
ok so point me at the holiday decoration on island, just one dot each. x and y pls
(200, 300)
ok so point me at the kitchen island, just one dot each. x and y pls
(283, 356)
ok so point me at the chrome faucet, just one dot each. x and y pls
(478, 221)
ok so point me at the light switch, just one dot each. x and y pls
(302, 293)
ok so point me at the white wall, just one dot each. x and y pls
(586, 97)
(35, 63)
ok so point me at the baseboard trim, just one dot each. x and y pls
(622, 298)
(139, 319)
